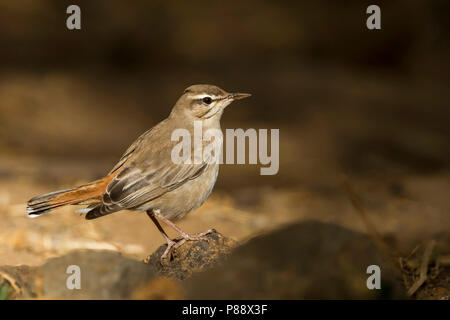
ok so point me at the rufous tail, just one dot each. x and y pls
(46, 202)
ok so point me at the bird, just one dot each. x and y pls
(147, 179)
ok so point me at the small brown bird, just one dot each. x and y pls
(146, 177)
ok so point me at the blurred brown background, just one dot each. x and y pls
(368, 107)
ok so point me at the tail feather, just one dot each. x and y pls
(46, 202)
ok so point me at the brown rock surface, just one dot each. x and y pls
(305, 260)
(109, 275)
(193, 256)
(308, 260)
(104, 275)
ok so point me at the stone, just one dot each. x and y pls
(192, 256)
(306, 260)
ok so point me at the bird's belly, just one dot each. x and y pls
(180, 201)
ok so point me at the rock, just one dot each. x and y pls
(104, 275)
(109, 275)
(308, 260)
(192, 256)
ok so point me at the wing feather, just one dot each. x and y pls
(145, 172)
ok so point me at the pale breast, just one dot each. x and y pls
(177, 203)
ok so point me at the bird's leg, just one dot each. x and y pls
(184, 236)
(171, 245)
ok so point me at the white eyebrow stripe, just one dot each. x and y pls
(201, 96)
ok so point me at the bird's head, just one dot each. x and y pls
(203, 101)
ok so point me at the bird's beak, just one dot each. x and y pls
(238, 96)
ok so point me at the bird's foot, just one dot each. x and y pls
(168, 253)
(174, 244)
(195, 237)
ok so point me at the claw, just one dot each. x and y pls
(167, 255)
(196, 237)
(174, 244)
(178, 242)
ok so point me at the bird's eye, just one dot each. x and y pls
(207, 100)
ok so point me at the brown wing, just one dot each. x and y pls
(136, 187)
(145, 172)
(133, 187)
